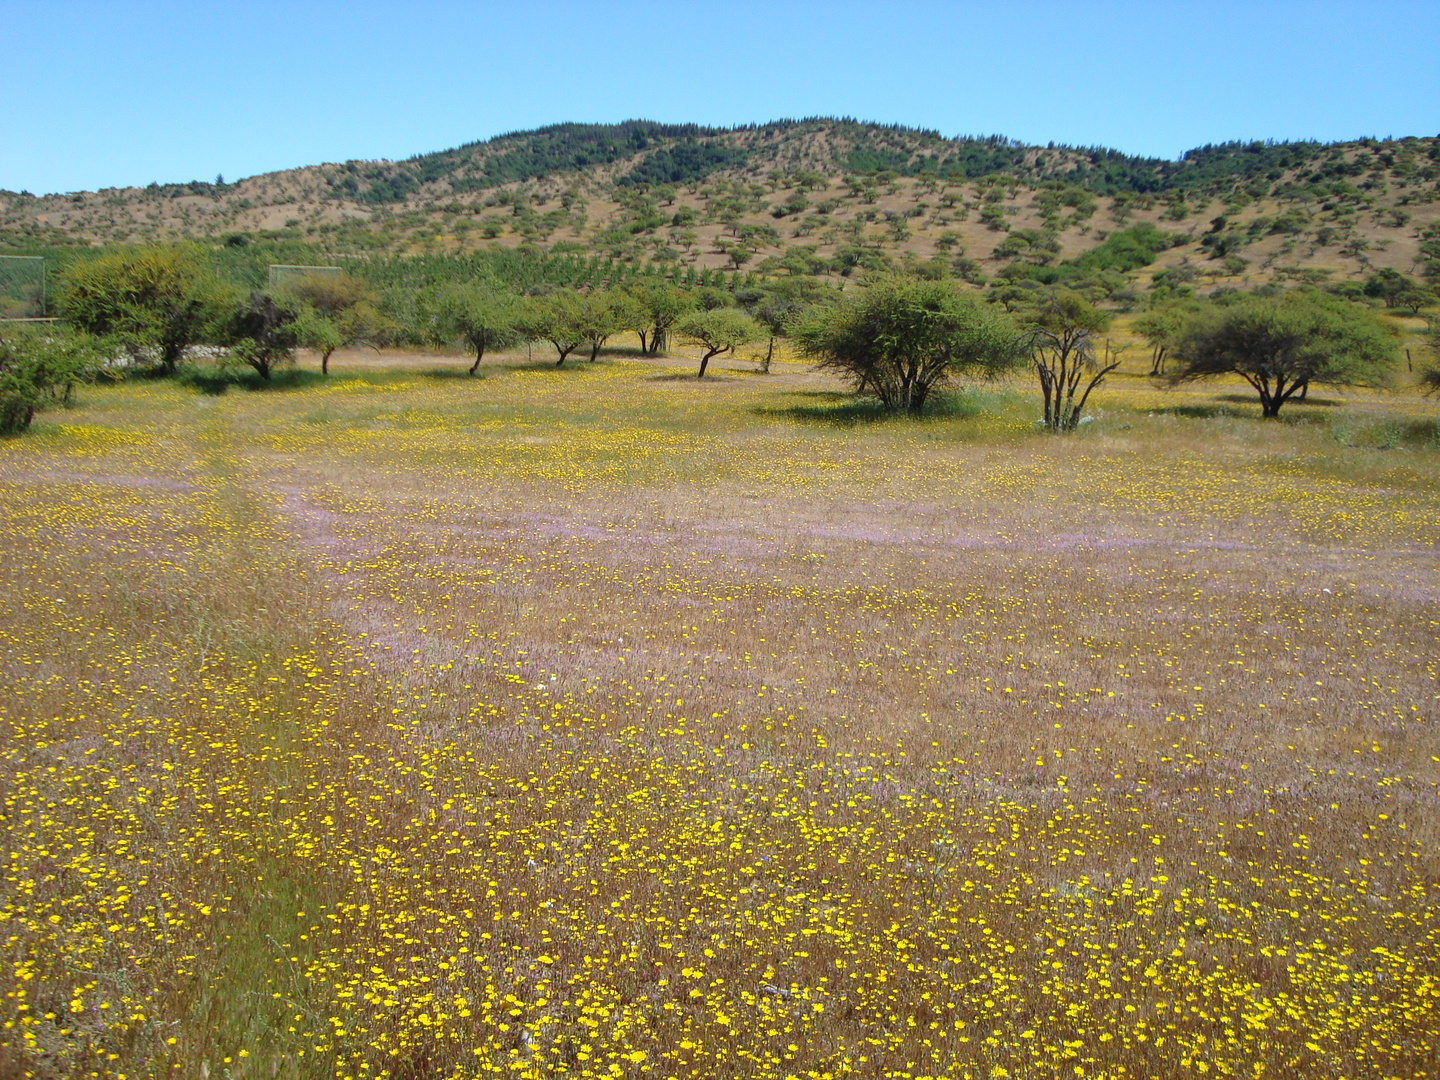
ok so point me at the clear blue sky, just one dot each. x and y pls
(108, 94)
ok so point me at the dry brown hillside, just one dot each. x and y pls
(818, 197)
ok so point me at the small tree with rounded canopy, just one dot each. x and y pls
(329, 294)
(1160, 326)
(358, 325)
(39, 366)
(1394, 289)
(777, 304)
(160, 299)
(320, 334)
(716, 331)
(336, 311)
(1279, 345)
(263, 334)
(482, 317)
(657, 307)
(603, 314)
(558, 318)
(900, 337)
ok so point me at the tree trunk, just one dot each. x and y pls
(644, 339)
(1043, 373)
(325, 362)
(705, 361)
(1095, 380)
(479, 355)
(769, 354)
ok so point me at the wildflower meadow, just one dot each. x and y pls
(603, 722)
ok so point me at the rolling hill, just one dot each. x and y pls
(816, 196)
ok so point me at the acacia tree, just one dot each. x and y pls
(483, 318)
(900, 337)
(1394, 289)
(320, 334)
(336, 311)
(657, 307)
(39, 367)
(777, 305)
(716, 331)
(1161, 327)
(1279, 345)
(153, 300)
(1064, 329)
(262, 333)
(352, 326)
(559, 319)
(603, 314)
(738, 253)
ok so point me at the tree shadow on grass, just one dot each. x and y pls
(214, 381)
(828, 407)
(148, 372)
(1200, 412)
(690, 376)
(1254, 400)
(847, 410)
(461, 375)
(452, 374)
(572, 363)
(1249, 410)
(1424, 433)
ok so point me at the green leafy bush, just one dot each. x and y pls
(41, 366)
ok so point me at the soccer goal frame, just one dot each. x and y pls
(280, 273)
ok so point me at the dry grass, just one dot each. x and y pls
(604, 722)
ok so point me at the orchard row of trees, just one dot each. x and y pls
(895, 337)
(160, 304)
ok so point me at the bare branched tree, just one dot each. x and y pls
(1064, 332)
